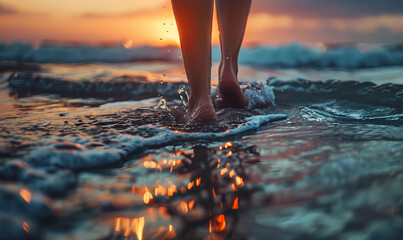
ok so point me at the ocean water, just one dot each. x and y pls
(93, 145)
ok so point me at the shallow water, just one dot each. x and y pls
(87, 154)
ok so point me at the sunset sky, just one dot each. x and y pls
(146, 22)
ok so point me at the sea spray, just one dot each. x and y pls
(162, 104)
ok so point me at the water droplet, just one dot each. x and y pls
(161, 39)
(184, 100)
(169, 50)
(162, 82)
(163, 106)
(227, 58)
(167, 31)
(163, 24)
(180, 56)
(164, 75)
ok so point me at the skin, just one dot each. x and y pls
(194, 21)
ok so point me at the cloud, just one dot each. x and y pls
(128, 14)
(329, 8)
(326, 34)
(264, 22)
(7, 10)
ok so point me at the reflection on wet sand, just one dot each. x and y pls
(206, 205)
(128, 226)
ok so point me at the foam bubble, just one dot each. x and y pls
(121, 145)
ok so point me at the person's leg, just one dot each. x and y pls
(232, 16)
(194, 21)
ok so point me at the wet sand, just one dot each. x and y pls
(101, 151)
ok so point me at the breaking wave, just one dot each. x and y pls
(260, 94)
(289, 56)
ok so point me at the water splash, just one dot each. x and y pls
(162, 104)
(183, 92)
(260, 94)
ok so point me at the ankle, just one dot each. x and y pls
(196, 95)
(229, 59)
(227, 66)
(195, 100)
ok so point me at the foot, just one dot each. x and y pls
(201, 110)
(229, 91)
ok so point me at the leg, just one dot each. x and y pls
(194, 21)
(232, 17)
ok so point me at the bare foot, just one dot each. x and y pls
(229, 91)
(201, 110)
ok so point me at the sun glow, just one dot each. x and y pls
(168, 34)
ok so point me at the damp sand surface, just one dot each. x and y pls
(101, 151)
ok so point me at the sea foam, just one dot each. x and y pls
(76, 156)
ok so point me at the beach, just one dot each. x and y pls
(94, 145)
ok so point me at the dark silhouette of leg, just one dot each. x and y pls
(194, 21)
(232, 16)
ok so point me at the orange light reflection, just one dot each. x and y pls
(25, 226)
(184, 207)
(235, 204)
(191, 204)
(129, 226)
(198, 181)
(26, 195)
(138, 227)
(219, 223)
(147, 197)
(190, 185)
(239, 181)
(232, 173)
(172, 190)
(117, 226)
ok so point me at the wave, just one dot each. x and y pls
(84, 54)
(298, 56)
(119, 87)
(288, 56)
(261, 94)
(304, 90)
